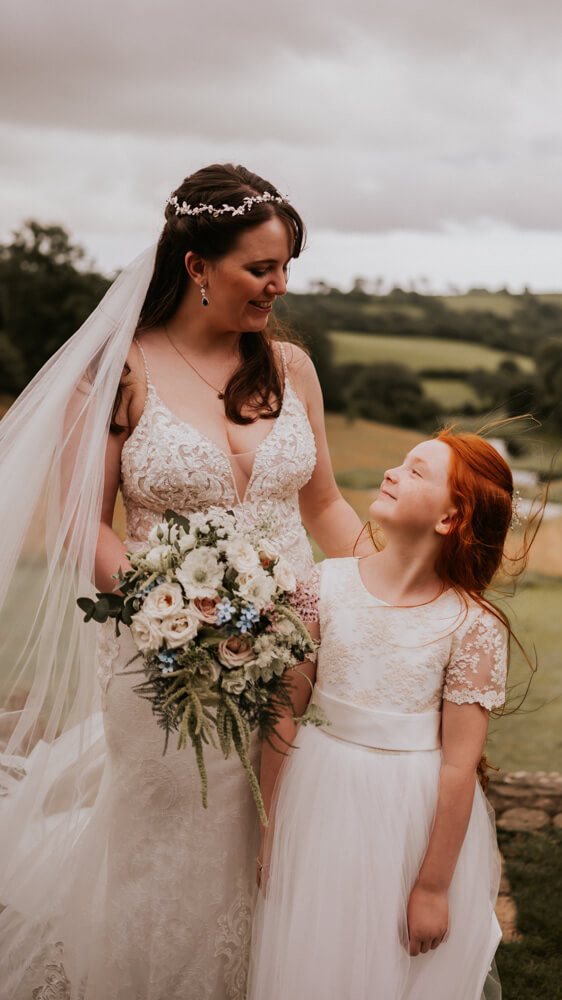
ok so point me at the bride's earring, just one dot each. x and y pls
(204, 299)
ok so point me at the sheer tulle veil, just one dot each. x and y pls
(52, 452)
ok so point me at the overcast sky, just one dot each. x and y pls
(419, 138)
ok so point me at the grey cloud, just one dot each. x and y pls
(379, 115)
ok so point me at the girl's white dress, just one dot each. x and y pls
(356, 800)
(156, 897)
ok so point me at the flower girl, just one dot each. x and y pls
(379, 870)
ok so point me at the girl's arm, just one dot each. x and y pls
(464, 730)
(330, 520)
(283, 736)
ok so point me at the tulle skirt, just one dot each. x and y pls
(350, 830)
(144, 895)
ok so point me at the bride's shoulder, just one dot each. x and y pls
(131, 396)
(300, 368)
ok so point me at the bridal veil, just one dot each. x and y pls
(52, 454)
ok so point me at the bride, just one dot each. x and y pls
(114, 881)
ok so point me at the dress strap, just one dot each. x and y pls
(146, 368)
(284, 356)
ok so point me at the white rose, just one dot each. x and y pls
(234, 683)
(200, 574)
(145, 632)
(234, 652)
(257, 587)
(158, 534)
(158, 558)
(198, 522)
(267, 550)
(180, 628)
(163, 600)
(186, 542)
(241, 554)
(284, 576)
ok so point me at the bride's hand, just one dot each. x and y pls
(428, 919)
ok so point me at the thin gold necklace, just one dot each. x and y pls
(193, 368)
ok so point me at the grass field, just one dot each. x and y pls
(419, 352)
(498, 303)
(531, 967)
(451, 394)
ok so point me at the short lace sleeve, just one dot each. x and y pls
(306, 598)
(478, 666)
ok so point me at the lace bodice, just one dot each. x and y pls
(405, 659)
(167, 463)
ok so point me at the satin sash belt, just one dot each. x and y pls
(379, 730)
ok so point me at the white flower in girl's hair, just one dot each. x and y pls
(200, 574)
(163, 600)
(145, 632)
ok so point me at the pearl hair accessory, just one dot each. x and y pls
(248, 202)
(517, 518)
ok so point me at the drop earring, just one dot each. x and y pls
(204, 299)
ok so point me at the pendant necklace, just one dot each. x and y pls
(220, 394)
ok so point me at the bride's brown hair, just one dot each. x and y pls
(257, 382)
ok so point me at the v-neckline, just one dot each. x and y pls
(208, 440)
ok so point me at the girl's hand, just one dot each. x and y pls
(428, 919)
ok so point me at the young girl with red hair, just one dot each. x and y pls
(380, 869)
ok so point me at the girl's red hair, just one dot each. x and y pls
(481, 489)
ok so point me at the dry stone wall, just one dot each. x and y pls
(526, 801)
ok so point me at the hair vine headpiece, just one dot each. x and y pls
(215, 211)
(517, 517)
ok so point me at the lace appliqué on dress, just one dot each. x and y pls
(407, 659)
(167, 463)
(478, 666)
(107, 655)
(233, 942)
(56, 985)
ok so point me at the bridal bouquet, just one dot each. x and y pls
(209, 611)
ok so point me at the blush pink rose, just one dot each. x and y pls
(206, 609)
(235, 651)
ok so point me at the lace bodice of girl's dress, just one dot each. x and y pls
(405, 660)
(167, 463)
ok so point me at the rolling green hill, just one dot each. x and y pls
(420, 352)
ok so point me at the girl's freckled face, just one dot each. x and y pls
(416, 493)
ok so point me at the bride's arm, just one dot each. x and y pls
(331, 521)
(110, 550)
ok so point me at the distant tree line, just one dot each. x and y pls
(47, 289)
(46, 292)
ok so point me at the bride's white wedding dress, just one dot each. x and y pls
(157, 895)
